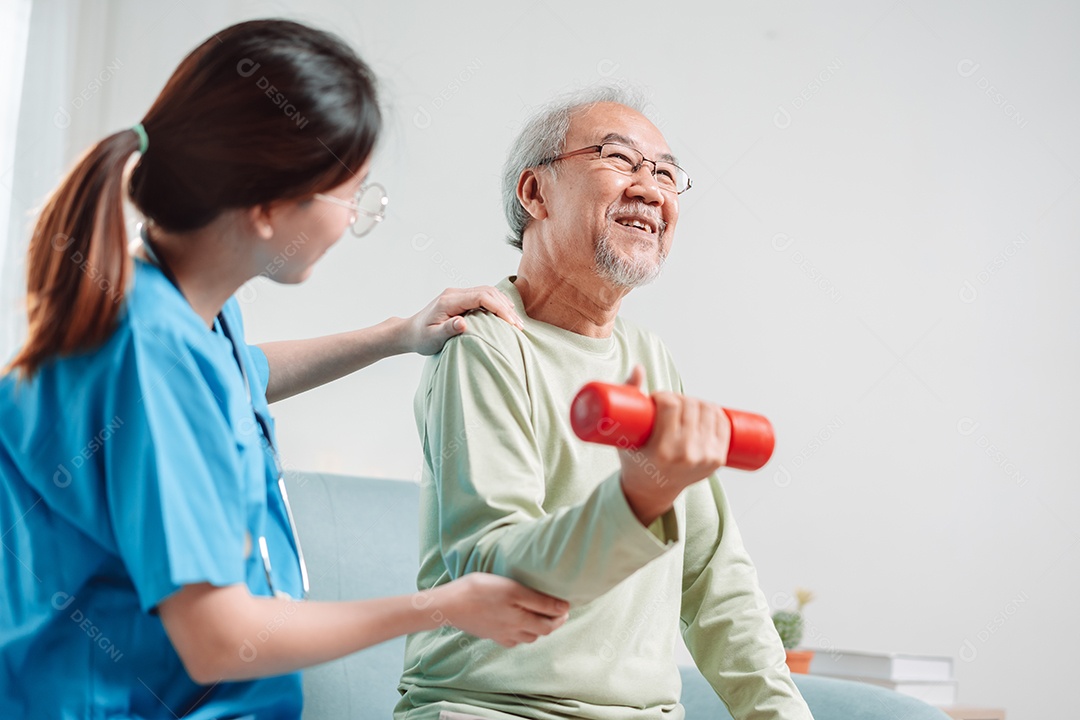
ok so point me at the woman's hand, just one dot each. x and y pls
(220, 632)
(498, 608)
(430, 328)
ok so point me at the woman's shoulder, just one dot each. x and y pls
(160, 333)
(159, 346)
(152, 305)
(157, 337)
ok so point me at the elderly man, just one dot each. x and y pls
(641, 543)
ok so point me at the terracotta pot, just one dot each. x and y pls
(798, 661)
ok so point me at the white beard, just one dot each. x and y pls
(626, 272)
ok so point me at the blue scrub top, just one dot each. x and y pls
(127, 473)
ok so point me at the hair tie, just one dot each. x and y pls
(144, 139)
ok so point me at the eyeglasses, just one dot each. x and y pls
(368, 207)
(627, 160)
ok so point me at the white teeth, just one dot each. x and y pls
(637, 224)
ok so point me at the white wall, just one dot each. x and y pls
(879, 253)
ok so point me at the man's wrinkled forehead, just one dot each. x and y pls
(611, 122)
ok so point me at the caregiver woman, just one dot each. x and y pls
(147, 544)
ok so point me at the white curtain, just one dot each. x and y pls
(38, 102)
(14, 36)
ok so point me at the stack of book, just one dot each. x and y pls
(926, 677)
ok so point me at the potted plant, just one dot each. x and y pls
(789, 624)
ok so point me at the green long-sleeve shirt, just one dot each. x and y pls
(509, 489)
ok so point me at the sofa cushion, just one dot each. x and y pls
(828, 698)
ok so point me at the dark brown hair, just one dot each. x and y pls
(263, 111)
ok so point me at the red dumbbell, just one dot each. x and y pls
(622, 415)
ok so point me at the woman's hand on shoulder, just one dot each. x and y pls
(429, 329)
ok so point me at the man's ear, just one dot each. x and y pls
(530, 194)
(261, 220)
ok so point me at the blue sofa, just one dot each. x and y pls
(360, 540)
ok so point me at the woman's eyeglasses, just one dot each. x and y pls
(368, 207)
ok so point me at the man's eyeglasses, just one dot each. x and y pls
(627, 160)
(368, 207)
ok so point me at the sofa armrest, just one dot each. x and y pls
(360, 539)
(828, 698)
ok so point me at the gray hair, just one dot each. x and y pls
(543, 137)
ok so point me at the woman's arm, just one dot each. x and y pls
(225, 633)
(300, 365)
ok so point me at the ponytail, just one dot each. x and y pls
(77, 263)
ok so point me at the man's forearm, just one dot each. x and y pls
(576, 553)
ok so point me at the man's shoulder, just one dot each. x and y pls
(490, 329)
(486, 328)
(488, 340)
(488, 348)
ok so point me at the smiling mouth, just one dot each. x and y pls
(637, 223)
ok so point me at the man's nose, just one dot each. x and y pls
(645, 187)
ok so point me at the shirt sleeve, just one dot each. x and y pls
(174, 471)
(725, 617)
(260, 367)
(487, 467)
